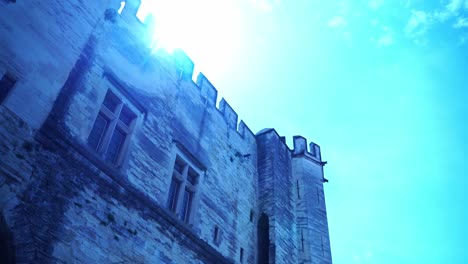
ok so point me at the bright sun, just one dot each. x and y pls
(207, 30)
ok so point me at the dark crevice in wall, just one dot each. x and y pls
(7, 250)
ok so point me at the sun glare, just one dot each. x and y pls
(207, 30)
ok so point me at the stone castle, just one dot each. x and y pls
(110, 153)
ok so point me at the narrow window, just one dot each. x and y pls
(173, 194)
(115, 145)
(100, 126)
(302, 240)
(215, 235)
(6, 84)
(241, 255)
(298, 190)
(251, 215)
(183, 189)
(186, 206)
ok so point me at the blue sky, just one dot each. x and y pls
(381, 85)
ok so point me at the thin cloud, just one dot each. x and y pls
(375, 4)
(452, 9)
(337, 22)
(387, 38)
(455, 5)
(417, 26)
(462, 22)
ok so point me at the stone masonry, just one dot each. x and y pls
(110, 153)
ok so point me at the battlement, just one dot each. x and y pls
(300, 147)
(182, 65)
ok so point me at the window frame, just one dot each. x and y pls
(184, 186)
(113, 124)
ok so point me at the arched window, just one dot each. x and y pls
(263, 240)
(7, 251)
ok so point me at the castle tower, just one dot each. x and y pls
(311, 213)
(276, 201)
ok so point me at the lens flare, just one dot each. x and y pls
(207, 30)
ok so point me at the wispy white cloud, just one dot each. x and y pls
(340, 24)
(452, 9)
(463, 39)
(451, 12)
(387, 38)
(375, 4)
(337, 22)
(417, 26)
(462, 22)
(454, 6)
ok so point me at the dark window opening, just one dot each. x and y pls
(251, 215)
(183, 189)
(186, 206)
(100, 126)
(173, 194)
(111, 101)
(302, 240)
(263, 243)
(215, 235)
(115, 145)
(127, 116)
(298, 190)
(179, 166)
(6, 84)
(192, 176)
(241, 255)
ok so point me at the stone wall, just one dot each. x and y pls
(62, 202)
(276, 195)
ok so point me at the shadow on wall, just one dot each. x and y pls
(7, 251)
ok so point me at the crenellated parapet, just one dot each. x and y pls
(301, 148)
(207, 89)
(228, 113)
(181, 66)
